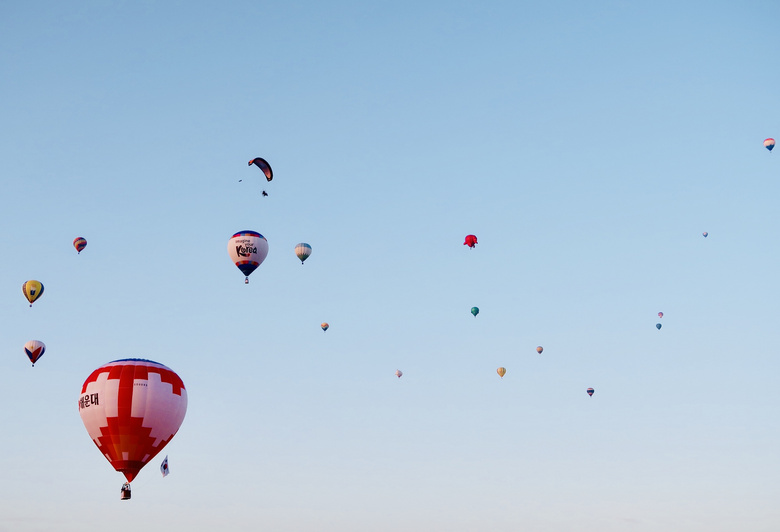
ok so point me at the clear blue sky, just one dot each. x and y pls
(587, 146)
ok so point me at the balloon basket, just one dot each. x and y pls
(125, 492)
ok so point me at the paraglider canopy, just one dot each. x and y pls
(501, 372)
(475, 311)
(80, 243)
(470, 241)
(263, 165)
(590, 391)
(32, 290)
(769, 143)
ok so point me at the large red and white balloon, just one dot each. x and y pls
(131, 409)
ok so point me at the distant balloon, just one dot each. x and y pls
(324, 325)
(539, 349)
(475, 311)
(704, 234)
(658, 326)
(34, 350)
(32, 290)
(501, 372)
(80, 243)
(131, 409)
(263, 165)
(398, 373)
(590, 391)
(471, 241)
(769, 144)
(247, 249)
(303, 251)
(660, 314)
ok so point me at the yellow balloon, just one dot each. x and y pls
(32, 290)
(501, 372)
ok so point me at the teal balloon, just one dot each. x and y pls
(475, 311)
(658, 326)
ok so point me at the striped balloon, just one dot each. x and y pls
(80, 243)
(769, 144)
(302, 251)
(131, 409)
(590, 391)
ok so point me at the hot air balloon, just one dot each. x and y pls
(302, 251)
(471, 241)
(658, 326)
(131, 409)
(247, 249)
(769, 144)
(324, 326)
(501, 372)
(704, 234)
(263, 165)
(539, 349)
(590, 391)
(32, 290)
(80, 243)
(660, 314)
(398, 373)
(34, 350)
(475, 311)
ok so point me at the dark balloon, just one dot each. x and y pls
(590, 391)
(658, 326)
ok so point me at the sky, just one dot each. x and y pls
(587, 145)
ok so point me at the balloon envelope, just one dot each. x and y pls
(247, 250)
(263, 165)
(769, 143)
(32, 290)
(302, 251)
(34, 350)
(658, 326)
(324, 326)
(475, 311)
(704, 234)
(131, 409)
(501, 372)
(590, 391)
(470, 241)
(660, 314)
(539, 349)
(398, 373)
(80, 243)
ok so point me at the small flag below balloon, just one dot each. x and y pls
(164, 467)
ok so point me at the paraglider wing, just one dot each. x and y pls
(131, 409)
(32, 290)
(769, 144)
(34, 350)
(263, 165)
(80, 243)
(247, 250)
(501, 372)
(302, 251)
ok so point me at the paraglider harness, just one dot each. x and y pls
(125, 493)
